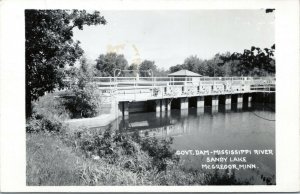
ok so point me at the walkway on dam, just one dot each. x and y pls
(160, 93)
(151, 88)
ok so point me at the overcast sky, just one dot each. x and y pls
(168, 37)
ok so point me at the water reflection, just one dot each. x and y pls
(235, 126)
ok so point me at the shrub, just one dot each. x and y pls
(40, 122)
(133, 153)
(85, 98)
(50, 106)
(114, 148)
(159, 149)
(85, 102)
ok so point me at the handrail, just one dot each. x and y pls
(188, 78)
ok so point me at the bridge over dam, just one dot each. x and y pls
(132, 94)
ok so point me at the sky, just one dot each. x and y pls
(168, 37)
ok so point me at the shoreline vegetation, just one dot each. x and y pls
(58, 155)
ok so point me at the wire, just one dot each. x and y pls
(262, 117)
(170, 101)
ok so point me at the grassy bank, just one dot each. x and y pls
(51, 162)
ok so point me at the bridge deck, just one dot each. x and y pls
(150, 88)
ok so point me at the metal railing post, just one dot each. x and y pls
(134, 88)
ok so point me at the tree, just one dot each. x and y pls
(254, 62)
(133, 69)
(106, 64)
(49, 47)
(145, 66)
(161, 72)
(215, 66)
(194, 64)
(176, 68)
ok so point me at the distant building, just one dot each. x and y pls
(184, 73)
(186, 76)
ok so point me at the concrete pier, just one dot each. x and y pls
(168, 104)
(200, 101)
(240, 98)
(239, 101)
(227, 99)
(215, 101)
(220, 102)
(249, 100)
(184, 103)
(163, 105)
(125, 108)
(157, 105)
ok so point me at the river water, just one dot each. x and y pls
(230, 127)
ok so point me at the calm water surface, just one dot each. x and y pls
(214, 128)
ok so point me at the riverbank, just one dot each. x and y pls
(50, 162)
(99, 121)
(54, 160)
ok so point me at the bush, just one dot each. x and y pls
(39, 123)
(133, 153)
(85, 98)
(50, 106)
(160, 150)
(85, 101)
(113, 148)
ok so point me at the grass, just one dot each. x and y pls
(51, 162)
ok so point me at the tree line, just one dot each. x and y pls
(251, 62)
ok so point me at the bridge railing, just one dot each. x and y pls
(132, 88)
(165, 81)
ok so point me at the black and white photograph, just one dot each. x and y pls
(149, 96)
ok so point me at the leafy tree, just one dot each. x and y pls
(49, 47)
(254, 62)
(161, 72)
(176, 68)
(85, 99)
(193, 63)
(133, 68)
(215, 66)
(145, 66)
(106, 64)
